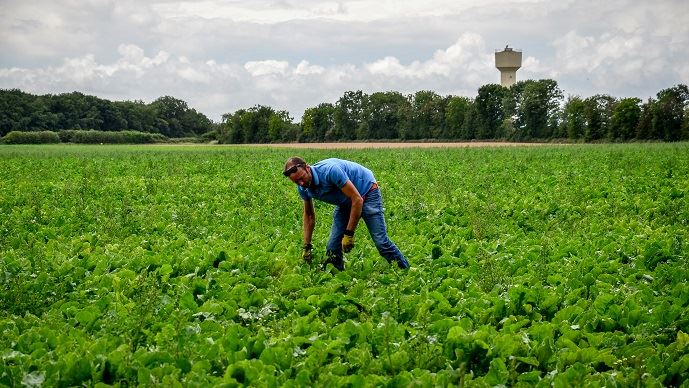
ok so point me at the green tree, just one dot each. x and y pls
(429, 115)
(281, 127)
(136, 115)
(230, 131)
(258, 124)
(254, 124)
(644, 129)
(317, 123)
(598, 115)
(573, 118)
(76, 111)
(195, 123)
(112, 117)
(348, 115)
(685, 124)
(536, 106)
(386, 114)
(669, 117)
(405, 113)
(13, 105)
(174, 118)
(166, 115)
(456, 116)
(470, 122)
(489, 110)
(39, 117)
(625, 119)
(168, 112)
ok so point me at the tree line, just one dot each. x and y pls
(171, 117)
(530, 110)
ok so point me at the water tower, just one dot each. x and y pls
(508, 61)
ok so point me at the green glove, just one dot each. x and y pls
(306, 253)
(348, 241)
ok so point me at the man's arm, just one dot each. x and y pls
(357, 204)
(309, 221)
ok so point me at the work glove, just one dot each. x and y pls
(306, 254)
(348, 241)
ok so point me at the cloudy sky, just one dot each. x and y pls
(223, 55)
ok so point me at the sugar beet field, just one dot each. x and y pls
(181, 266)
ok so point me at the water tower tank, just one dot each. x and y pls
(508, 61)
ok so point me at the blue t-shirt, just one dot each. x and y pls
(330, 175)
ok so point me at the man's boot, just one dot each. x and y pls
(335, 259)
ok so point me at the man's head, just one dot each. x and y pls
(298, 171)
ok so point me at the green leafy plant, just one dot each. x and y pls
(140, 265)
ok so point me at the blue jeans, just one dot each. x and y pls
(372, 214)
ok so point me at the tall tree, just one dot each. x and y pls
(625, 119)
(13, 105)
(76, 111)
(258, 124)
(113, 118)
(254, 124)
(489, 110)
(386, 114)
(456, 116)
(429, 115)
(317, 123)
(280, 127)
(644, 129)
(348, 116)
(671, 107)
(573, 118)
(39, 116)
(537, 105)
(136, 115)
(598, 115)
(174, 118)
(169, 111)
(230, 129)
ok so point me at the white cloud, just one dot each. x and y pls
(533, 68)
(193, 75)
(304, 68)
(130, 52)
(618, 60)
(571, 51)
(338, 77)
(268, 67)
(467, 52)
(388, 66)
(270, 11)
(220, 56)
(40, 30)
(136, 12)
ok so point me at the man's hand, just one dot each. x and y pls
(348, 241)
(306, 253)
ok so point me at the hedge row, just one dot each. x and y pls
(40, 137)
(82, 137)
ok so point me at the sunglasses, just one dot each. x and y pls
(291, 170)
